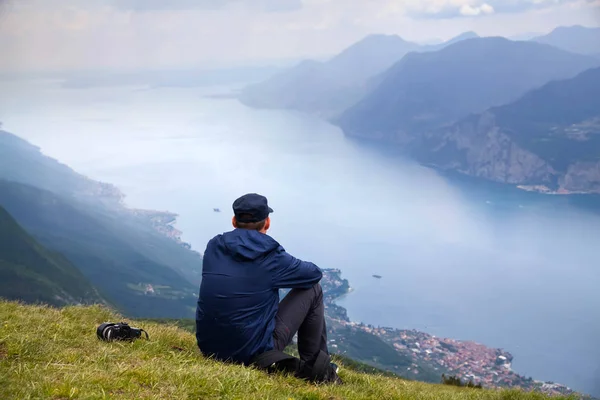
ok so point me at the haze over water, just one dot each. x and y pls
(464, 260)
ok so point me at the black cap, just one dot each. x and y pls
(251, 207)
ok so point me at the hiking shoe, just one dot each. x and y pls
(334, 377)
(335, 367)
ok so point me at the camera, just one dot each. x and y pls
(110, 331)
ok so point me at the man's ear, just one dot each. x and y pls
(234, 222)
(267, 224)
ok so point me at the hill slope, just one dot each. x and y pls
(31, 273)
(20, 161)
(151, 231)
(427, 90)
(120, 250)
(551, 137)
(101, 245)
(577, 39)
(52, 353)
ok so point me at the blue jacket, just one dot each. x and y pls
(242, 272)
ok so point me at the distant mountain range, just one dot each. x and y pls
(32, 273)
(425, 91)
(577, 39)
(456, 39)
(431, 90)
(328, 88)
(124, 253)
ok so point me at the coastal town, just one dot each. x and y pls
(466, 360)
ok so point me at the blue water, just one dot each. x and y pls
(459, 258)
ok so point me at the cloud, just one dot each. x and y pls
(468, 10)
(163, 5)
(64, 35)
(445, 9)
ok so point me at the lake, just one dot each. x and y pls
(458, 258)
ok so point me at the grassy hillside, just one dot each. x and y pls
(190, 326)
(30, 272)
(54, 354)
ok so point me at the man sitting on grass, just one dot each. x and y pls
(239, 316)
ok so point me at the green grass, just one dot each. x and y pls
(50, 353)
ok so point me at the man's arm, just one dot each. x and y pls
(291, 273)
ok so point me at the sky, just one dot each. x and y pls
(73, 35)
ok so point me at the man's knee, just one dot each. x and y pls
(318, 291)
(317, 288)
(313, 295)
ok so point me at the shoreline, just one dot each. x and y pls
(542, 189)
(161, 222)
(468, 360)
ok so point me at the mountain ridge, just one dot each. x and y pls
(547, 140)
(99, 245)
(576, 38)
(425, 91)
(134, 257)
(18, 158)
(32, 273)
(328, 88)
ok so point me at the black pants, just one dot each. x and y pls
(302, 311)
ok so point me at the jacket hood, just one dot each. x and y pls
(248, 245)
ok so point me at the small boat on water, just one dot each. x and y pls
(216, 209)
(377, 276)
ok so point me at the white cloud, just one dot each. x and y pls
(468, 10)
(487, 9)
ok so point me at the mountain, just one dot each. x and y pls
(368, 57)
(22, 162)
(425, 91)
(549, 139)
(325, 88)
(99, 245)
(328, 88)
(461, 37)
(524, 36)
(577, 39)
(31, 273)
(134, 257)
(456, 39)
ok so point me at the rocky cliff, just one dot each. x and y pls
(549, 140)
(480, 148)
